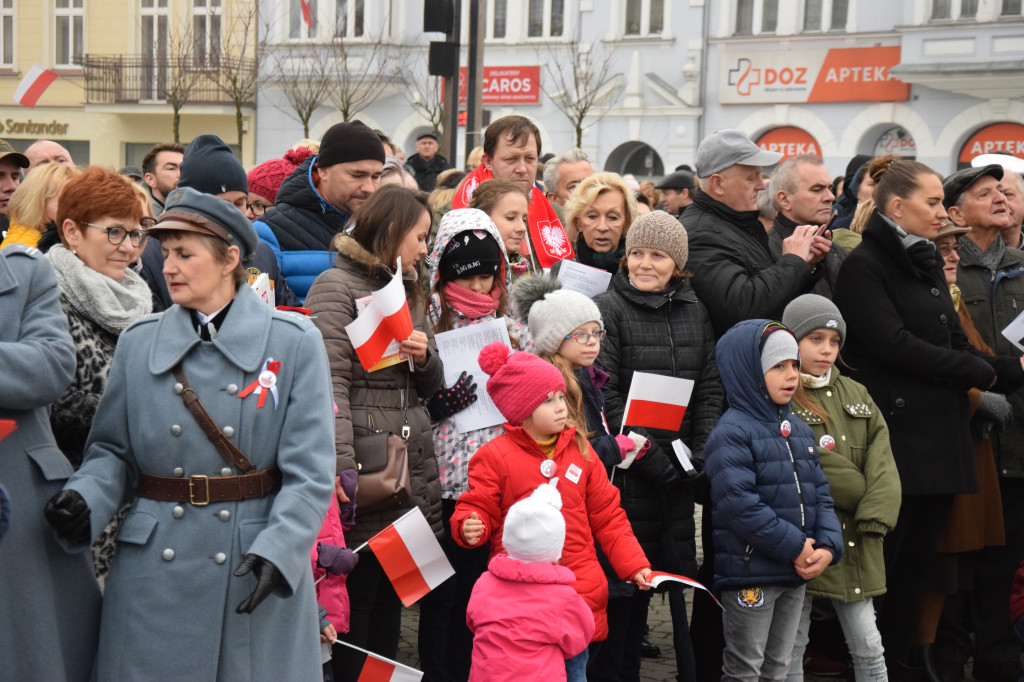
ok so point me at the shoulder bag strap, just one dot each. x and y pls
(231, 454)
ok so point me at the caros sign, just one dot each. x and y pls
(849, 74)
(506, 85)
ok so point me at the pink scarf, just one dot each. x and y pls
(470, 303)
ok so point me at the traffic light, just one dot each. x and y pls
(438, 16)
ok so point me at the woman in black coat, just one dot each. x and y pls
(656, 324)
(905, 344)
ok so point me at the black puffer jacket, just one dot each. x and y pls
(827, 270)
(734, 272)
(668, 334)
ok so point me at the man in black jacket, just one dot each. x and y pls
(426, 163)
(800, 190)
(734, 272)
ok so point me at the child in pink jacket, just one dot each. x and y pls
(525, 616)
(332, 562)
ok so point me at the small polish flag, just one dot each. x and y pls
(411, 556)
(657, 401)
(657, 578)
(33, 85)
(307, 14)
(379, 669)
(387, 318)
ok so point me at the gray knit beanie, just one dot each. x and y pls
(809, 312)
(779, 346)
(659, 230)
(552, 312)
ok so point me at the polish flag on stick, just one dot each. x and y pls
(656, 401)
(33, 85)
(387, 318)
(411, 556)
(379, 669)
(657, 578)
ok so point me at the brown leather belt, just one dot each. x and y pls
(202, 490)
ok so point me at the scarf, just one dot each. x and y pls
(470, 303)
(109, 303)
(546, 238)
(811, 381)
(609, 262)
(954, 291)
(990, 257)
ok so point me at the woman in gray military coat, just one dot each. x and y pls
(49, 600)
(211, 579)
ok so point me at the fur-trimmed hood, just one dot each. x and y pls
(460, 220)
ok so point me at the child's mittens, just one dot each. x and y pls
(448, 401)
(627, 444)
(334, 559)
(349, 478)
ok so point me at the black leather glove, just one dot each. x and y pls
(68, 513)
(448, 401)
(268, 579)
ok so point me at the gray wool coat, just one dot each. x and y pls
(169, 604)
(49, 600)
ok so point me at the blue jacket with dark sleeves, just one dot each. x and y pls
(768, 492)
(300, 229)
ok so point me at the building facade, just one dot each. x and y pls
(937, 80)
(121, 66)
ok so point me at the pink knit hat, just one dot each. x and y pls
(519, 381)
(266, 178)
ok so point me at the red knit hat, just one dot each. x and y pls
(266, 178)
(519, 381)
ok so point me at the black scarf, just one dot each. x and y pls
(609, 262)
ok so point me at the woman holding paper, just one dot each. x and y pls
(600, 212)
(655, 324)
(392, 224)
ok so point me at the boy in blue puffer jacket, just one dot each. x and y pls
(771, 509)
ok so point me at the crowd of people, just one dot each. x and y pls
(183, 478)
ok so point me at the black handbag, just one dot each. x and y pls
(382, 462)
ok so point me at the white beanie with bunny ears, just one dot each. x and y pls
(534, 526)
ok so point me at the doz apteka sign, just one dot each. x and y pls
(848, 74)
(506, 85)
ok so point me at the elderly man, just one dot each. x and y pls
(161, 168)
(316, 201)
(44, 151)
(800, 189)
(563, 172)
(734, 271)
(991, 281)
(11, 163)
(426, 163)
(1012, 186)
(677, 191)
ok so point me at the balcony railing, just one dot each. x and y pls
(118, 79)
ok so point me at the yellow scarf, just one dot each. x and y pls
(954, 291)
(548, 446)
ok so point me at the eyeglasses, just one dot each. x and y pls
(946, 250)
(584, 337)
(258, 209)
(117, 234)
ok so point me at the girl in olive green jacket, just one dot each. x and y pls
(853, 444)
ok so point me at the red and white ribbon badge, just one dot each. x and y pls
(265, 382)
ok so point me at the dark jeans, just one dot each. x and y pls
(375, 620)
(445, 642)
(909, 550)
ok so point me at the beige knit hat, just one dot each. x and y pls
(659, 230)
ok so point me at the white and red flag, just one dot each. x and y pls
(379, 669)
(658, 578)
(307, 13)
(656, 401)
(411, 556)
(33, 85)
(386, 319)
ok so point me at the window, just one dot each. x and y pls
(206, 16)
(498, 13)
(154, 36)
(645, 17)
(1011, 8)
(956, 9)
(70, 34)
(6, 32)
(348, 18)
(546, 18)
(756, 16)
(298, 13)
(825, 15)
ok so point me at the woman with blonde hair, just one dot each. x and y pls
(599, 214)
(33, 206)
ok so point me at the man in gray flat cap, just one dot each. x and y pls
(991, 280)
(734, 271)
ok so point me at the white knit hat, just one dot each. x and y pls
(534, 526)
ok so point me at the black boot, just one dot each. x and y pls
(929, 669)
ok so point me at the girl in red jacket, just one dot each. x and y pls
(539, 444)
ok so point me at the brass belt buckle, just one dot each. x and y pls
(192, 490)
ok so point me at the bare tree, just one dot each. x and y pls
(581, 82)
(241, 51)
(304, 74)
(362, 73)
(424, 94)
(183, 73)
